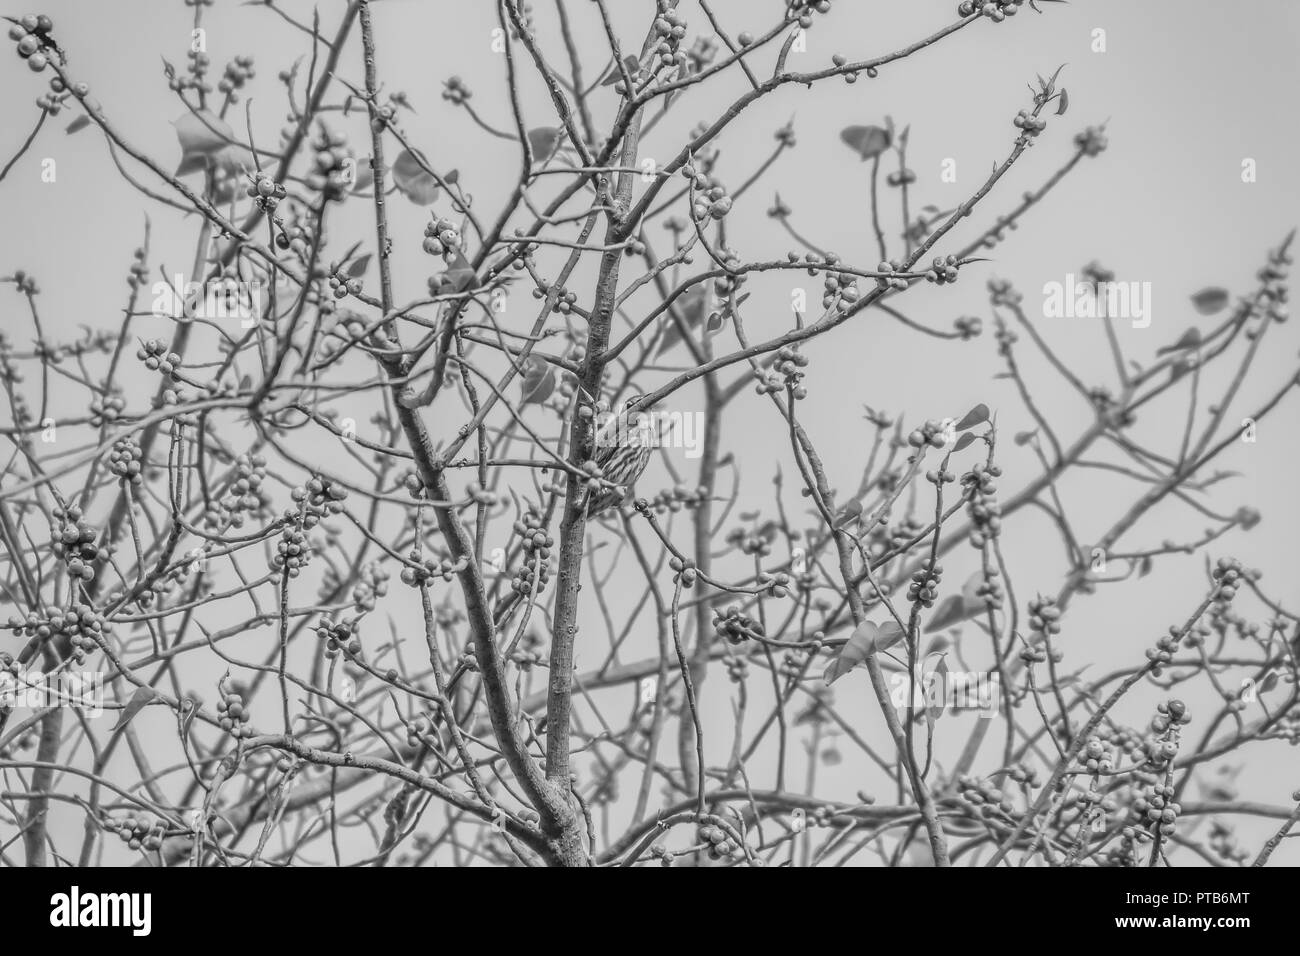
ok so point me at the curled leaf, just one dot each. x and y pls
(538, 381)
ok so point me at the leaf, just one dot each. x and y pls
(544, 142)
(866, 639)
(452, 178)
(80, 123)
(359, 265)
(615, 74)
(202, 135)
(1210, 300)
(692, 307)
(133, 706)
(538, 381)
(977, 415)
(867, 141)
(1024, 438)
(850, 511)
(963, 441)
(954, 608)
(1189, 339)
(459, 275)
(939, 674)
(1064, 103)
(1144, 566)
(414, 181)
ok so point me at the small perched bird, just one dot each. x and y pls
(623, 446)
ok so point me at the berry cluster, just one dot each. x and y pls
(1162, 746)
(983, 794)
(840, 291)
(126, 460)
(157, 358)
(139, 833)
(984, 510)
(338, 635)
(244, 496)
(73, 540)
(1002, 292)
(1098, 757)
(683, 570)
(1092, 141)
(265, 192)
(34, 41)
(669, 29)
(441, 237)
(81, 624)
(1029, 124)
(734, 625)
(334, 167)
(803, 10)
(890, 276)
(373, 585)
(676, 498)
(934, 433)
(1044, 616)
(52, 101)
(234, 718)
(1227, 575)
(943, 270)
(925, 583)
(421, 570)
(455, 91)
(341, 284)
(238, 72)
(737, 670)
(417, 728)
(106, 409)
(995, 10)
(718, 845)
(1156, 809)
(536, 544)
(709, 199)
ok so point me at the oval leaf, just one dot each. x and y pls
(1211, 300)
(867, 141)
(414, 181)
(977, 415)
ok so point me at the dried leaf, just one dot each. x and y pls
(81, 122)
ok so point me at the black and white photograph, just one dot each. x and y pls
(722, 434)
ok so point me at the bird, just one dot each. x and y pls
(622, 450)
